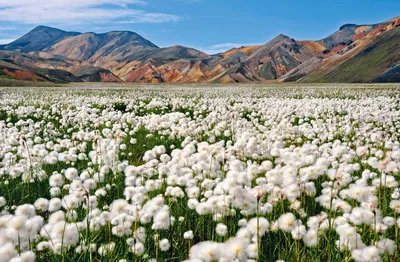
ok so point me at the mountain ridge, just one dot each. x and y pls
(126, 56)
(29, 42)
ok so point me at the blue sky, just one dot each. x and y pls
(208, 25)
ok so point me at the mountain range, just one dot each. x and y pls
(354, 53)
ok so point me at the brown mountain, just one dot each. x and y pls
(13, 71)
(38, 39)
(126, 56)
(90, 46)
(281, 55)
(95, 74)
(371, 60)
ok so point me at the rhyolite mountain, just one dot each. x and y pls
(91, 46)
(38, 39)
(354, 53)
(377, 61)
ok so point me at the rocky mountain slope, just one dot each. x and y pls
(378, 61)
(354, 53)
(38, 39)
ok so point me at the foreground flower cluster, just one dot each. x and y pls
(200, 174)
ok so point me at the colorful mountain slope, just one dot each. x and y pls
(9, 70)
(355, 53)
(91, 46)
(378, 61)
(96, 74)
(280, 55)
(38, 39)
(13, 71)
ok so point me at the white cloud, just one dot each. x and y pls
(78, 12)
(143, 17)
(6, 41)
(67, 3)
(7, 28)
(220, 48)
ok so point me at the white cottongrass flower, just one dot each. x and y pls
(286, 222)
(221, 229)
(298, 231)
(106, 249)
(258, 226)
(207, 251)
(138, 248)
(41, 204)
(311, 238)
(161, 220)
(252, 251)
(164, 244)
(188, 235)
(370, 254)
(3, 201)
(71, 174)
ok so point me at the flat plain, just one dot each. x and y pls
(95, 172)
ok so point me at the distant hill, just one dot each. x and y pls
(12, 71)
(38, 39)
(96, 74)
(354, 53)
(91, 46)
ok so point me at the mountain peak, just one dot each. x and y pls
(38, 39)
(41, 27)
(281, 36)
(350, 32)
(123, 32)
(348, 26)
(47, 29)
(177, 47)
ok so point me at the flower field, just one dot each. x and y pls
(213, 173)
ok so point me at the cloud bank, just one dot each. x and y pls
(69, 12)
